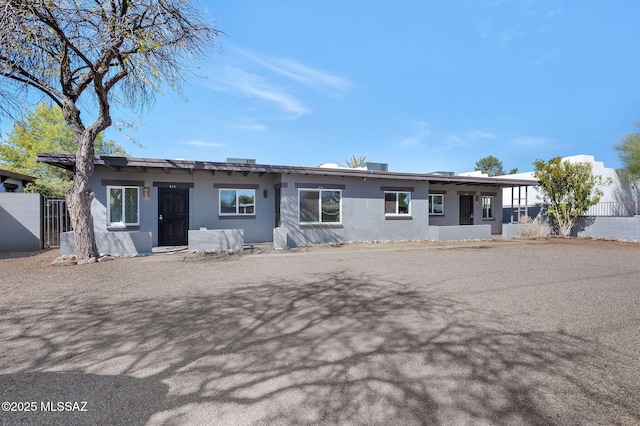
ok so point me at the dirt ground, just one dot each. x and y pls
(495, 333)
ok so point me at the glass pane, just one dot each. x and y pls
(330, 206)
(437, 204)
(115, 204)
(131, 205)
(228, 201)
(246, 201)
(403, 202)
(309, 211)
(390, 203)
(487, 207)
(486, 202)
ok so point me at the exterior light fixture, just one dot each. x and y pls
(145, 192)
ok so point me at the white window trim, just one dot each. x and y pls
(493, 207)
(237, 213)
(431, 213)
(121, 224)
(319, 191)
(397, 203)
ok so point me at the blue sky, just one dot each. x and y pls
(421, 85)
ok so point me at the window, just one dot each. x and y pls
(124, 209)
(436, 204)
(487, 207)
(396, 203)
(320, 206)
(237, 201)
(10, 187)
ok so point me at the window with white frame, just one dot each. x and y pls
(124, 205)
(436, 204)
(397, 203)
(487, 207)
(237, 202)
(320, 205)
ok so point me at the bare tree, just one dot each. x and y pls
(91, 55)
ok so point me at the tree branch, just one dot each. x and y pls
(21, 75)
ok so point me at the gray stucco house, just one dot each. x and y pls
(221, 205)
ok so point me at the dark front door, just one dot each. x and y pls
(173, 216)
(278, 194)
(466, 210)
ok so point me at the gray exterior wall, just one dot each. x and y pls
(460, 232)
(216, 240)
(20, 222)
(362, 210)
(111, 243)
(511, 230)
(363, 217)
(624, 228)
(203, 201)
(451, 215)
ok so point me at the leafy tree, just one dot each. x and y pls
(569, 189)
(46, 131)
(91, 56)
(629, 151)
(492, 166)
(354, 161)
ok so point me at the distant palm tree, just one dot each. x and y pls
(354, 161)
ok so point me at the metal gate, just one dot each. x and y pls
(56, 221)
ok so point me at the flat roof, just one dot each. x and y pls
(67, 161)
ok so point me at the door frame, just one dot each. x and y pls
(278, 207)
(177, 188)
(469, 201)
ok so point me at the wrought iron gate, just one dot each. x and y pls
(56, 220)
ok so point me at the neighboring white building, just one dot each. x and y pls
(619, 195)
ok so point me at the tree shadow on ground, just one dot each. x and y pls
(340, 349)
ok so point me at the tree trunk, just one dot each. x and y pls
(79, 200)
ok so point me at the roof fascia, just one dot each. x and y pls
(67, 161)
(17, 176)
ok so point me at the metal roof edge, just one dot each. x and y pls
(68, 160)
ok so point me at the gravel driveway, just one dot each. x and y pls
(496, 333)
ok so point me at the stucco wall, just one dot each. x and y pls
(216, 240)
(203, 201)
(460, 232)
(624, 228)
(20, 222)
(362, 211)
(111, 243)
